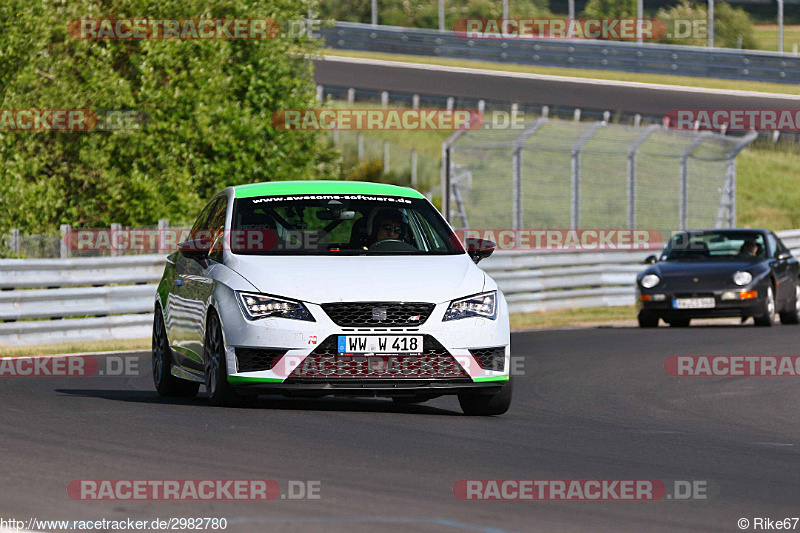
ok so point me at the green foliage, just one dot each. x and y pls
(729, 24)
(425, 14)
(610, 9)
(209, 105)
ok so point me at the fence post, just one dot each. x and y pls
(450, 103)
(683, 190)
(360, 146)
(516, 171)
(481, 106)
(575, 167)
(351, 96)
(65, 249)
(632, 149)
(163, 226)
(576, 116)
(384, 99)
(414, 168)
(115, 229)
(447, 145)
(320, 93)
(13, 243)
(385, 157)
(415, 102)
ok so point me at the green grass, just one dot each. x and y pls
(573, 317)
(668, 79)
(767, 37)
(767, 189)
(76, 347)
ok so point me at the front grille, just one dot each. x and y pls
(379, 367)
(255, 359)
(430, 346)
(491, 358)
(378, 314)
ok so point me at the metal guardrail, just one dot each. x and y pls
(650, 58)
(112, 298)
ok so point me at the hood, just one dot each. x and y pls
(322, 279)
(708, 275)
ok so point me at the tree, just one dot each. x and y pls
(729, 24)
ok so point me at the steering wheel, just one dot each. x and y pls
(385, 241)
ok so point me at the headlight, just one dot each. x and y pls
(742, 278)
(482, 305)
(650, 281)
(262, 306)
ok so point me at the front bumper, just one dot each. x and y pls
(723, 307)
(288, 343)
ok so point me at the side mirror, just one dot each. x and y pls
(196, 249)
(783, 256)
(651, 260)
(480, 249)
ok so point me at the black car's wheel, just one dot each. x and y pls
(767, 317)
(679, 322)
(215, 368)
(167, 384)
(647, 319)
(792, 313)
(483, 404)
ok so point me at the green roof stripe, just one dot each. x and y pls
(284, 188)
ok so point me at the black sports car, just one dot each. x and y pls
(720, 273)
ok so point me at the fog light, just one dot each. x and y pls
(729, 296)
(658, 297)
(748, 295)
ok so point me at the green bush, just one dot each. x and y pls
(729, 24)
(209, 105)
(610, 9)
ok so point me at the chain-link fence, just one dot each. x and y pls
(574, 175)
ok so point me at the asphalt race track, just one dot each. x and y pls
(539, 90)
(593, 404)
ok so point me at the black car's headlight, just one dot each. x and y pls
(742, 278)
(257, 306)
(481, 305)
(649, 281)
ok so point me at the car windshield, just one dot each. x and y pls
(340, 224)
(715, 246)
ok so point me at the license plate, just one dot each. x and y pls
(380, 344)
(693, 303)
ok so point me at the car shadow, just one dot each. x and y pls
(280, 403)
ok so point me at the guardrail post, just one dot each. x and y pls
(450, 103)
(351, 96)
(481, 106)
(65, 248)
(320, 93)
(360, 146)
(385, 157)
(415, 102)
(577, 115)
(384, 99)
(13, 242)
(414, 168)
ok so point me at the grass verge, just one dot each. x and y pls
(573, 317)
(122, 345)
(767, 37)
(668, 79)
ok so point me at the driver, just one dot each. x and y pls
(749, 248)
(388, 225)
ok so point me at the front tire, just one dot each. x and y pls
(647, 319)
(767, 318)
(792, 314)
(477, 404)
(215, 367)
(167, 384)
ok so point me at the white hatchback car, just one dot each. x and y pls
(317, 288)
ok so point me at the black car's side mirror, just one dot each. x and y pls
(651, 260)
(783, 256)
(480, 249)
(196, 249)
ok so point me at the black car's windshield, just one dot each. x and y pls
(715, 246)
(339, 224)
